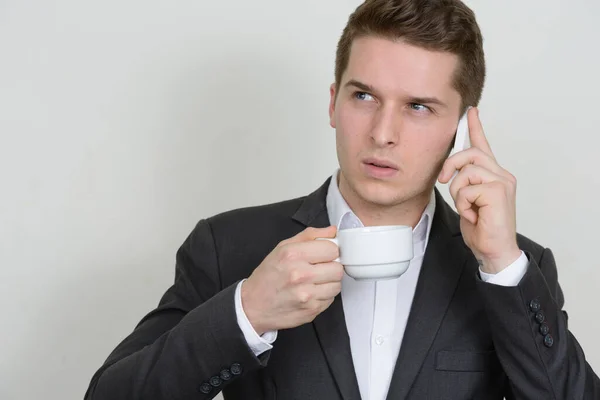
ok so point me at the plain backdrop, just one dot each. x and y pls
(124, 122)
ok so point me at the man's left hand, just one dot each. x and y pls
(485, 197)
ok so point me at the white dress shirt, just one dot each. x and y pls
(376, 312)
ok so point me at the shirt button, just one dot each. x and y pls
(379, 340)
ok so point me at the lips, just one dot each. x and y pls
(380, 163)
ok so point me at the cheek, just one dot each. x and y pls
(430, 151)
(352, 124)
(423, 153)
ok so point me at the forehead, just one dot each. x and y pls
(398, 67)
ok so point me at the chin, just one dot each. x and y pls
(380, 193)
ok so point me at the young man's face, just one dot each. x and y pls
(396, 106)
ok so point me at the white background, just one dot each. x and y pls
(123, 123)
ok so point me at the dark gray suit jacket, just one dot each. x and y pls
(465, 339)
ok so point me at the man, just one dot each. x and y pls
(260, 310)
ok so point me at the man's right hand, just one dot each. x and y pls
(296, 282)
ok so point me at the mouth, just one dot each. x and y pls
(379, 168)
(380, 163)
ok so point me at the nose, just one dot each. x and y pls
(385, 129)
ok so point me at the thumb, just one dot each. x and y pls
(311, 233)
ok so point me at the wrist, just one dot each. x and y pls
(249, 310)
(496, 264)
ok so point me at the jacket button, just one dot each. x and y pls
(205, 388)
(540, 317)
(225, 374)
(534, 305)
(548, 340)
(215, 381)
(544, 329)
(236, 369)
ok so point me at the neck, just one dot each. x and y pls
(407, 212)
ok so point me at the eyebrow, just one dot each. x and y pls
(360, 85)
(413, 99)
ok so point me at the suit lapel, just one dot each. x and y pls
(443, 263)
(331, 330)
(330, 325)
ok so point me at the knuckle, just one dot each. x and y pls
(339, 270)
(499, 186)
(325, 305)
(310, 231)
(297, 276)
(469, 168)
(454, 186)
(337, 288)
(318, 308)
(474, 155)
(332, 253)
(283, 243)
(336, 250)
(303, 297)
(476, 151)
(312, 314)
(288, 254)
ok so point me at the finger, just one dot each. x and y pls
(327, 291)
(313, 251)
(326, 303)
(477, 134)
(464, 207)
(328, 272)
(472, 175)
(322, 305)
(311, 233)
(476, 196)
(470, 156)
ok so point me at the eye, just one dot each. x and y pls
(419, 107)
(363, 96)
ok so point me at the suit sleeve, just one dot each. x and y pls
(190, 346)
(538, 353)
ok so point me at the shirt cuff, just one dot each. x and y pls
(511, 275)
(258, 344)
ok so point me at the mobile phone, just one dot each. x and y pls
(461, 139)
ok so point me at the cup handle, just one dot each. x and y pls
(333, 240)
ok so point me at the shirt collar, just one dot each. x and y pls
(343, 217)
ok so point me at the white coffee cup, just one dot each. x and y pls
(375, 252)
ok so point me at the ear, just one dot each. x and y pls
(332, 105)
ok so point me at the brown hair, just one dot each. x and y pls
(437, 25)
